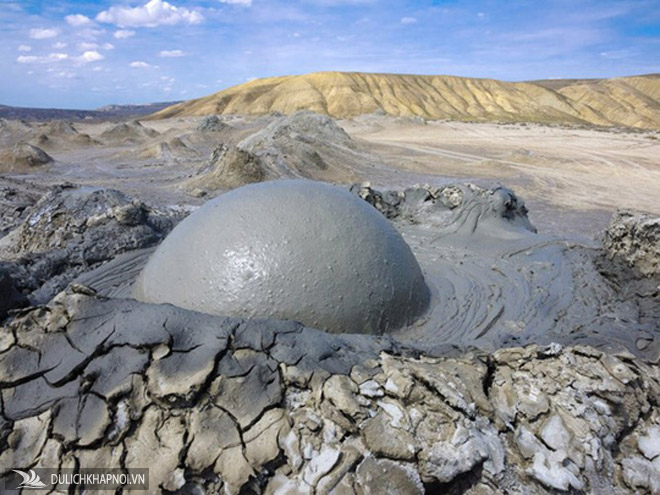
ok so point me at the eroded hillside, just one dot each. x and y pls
(631, 101)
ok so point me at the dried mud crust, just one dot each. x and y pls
(71, 230)
(220, 405)
(633, 238)
(17, 198)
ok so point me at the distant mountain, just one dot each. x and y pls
(628, 101)
(109, 112)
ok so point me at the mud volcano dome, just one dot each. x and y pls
(290, 249)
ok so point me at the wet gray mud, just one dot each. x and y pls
(533, 370)
(496, 282)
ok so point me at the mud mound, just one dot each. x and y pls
(12, 131)
(220, 405)
(634, 239)
(307, 145)
(131, 132)
(59, 134)
(292, 249)
(303, 127)
(58, 128)
(14, 125)
(73, 229)
(64, 142)
(228, 168)
(23, 157)
(212, 123)
(172, 149)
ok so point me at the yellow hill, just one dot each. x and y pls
(632, 101)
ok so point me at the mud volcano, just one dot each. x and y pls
(293, 249)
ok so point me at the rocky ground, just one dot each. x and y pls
(89, 377)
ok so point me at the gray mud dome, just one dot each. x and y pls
(298, 250)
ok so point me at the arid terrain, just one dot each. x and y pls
(566, 174)
(528, 211)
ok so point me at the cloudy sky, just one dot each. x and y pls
(88, 53)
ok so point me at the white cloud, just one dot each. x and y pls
(408, 20)
(85, 46)
(171, 53)
(123, 34)
(139, 64)
(59, 45)
(43, 33)
(32, 59)
(24, 48)
(108, 46)
(151, 14)
(90, 56)
(247, 3)
(77, 20)
(27, 59)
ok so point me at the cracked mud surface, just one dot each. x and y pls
(222, 405)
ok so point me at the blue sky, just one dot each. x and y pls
(84, 54)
